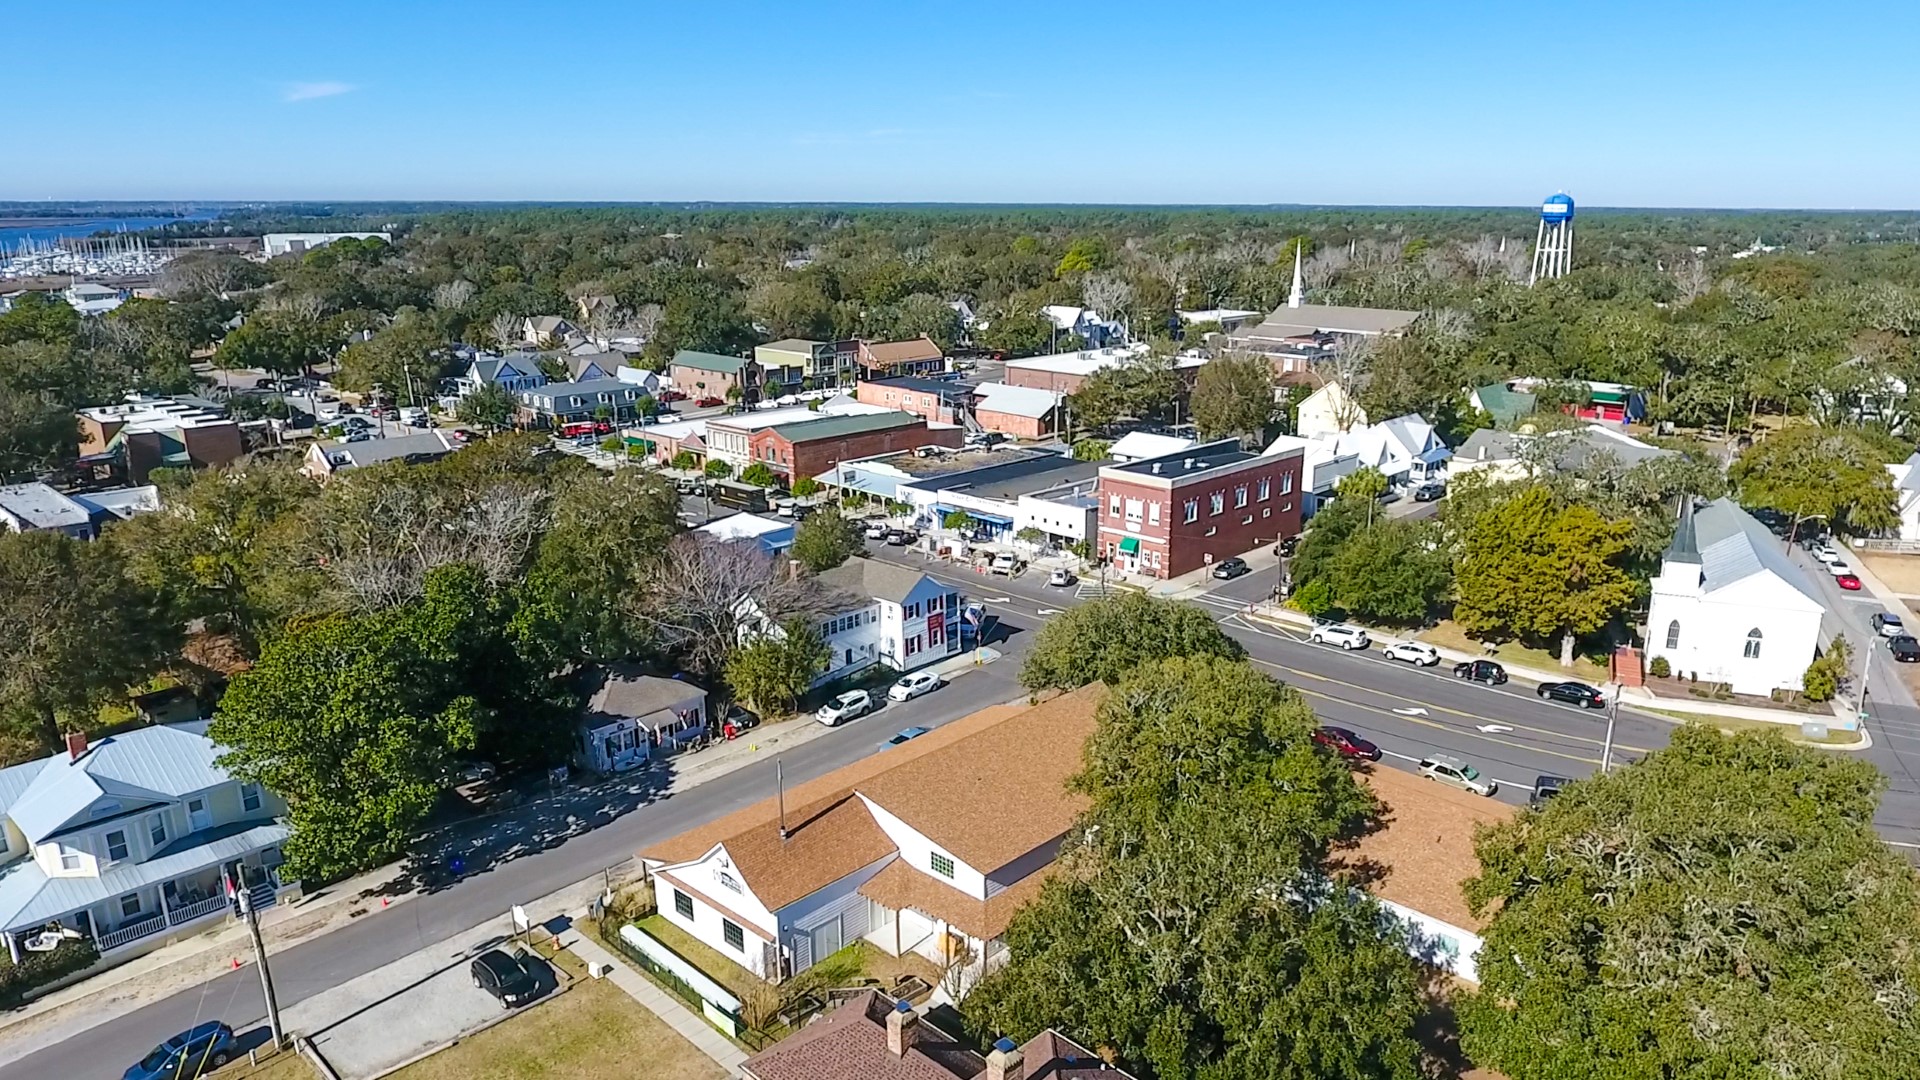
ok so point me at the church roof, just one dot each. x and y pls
(1733, 546)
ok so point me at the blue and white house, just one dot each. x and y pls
(513, 373)
(127, 842)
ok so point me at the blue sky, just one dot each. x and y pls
(1623, 103)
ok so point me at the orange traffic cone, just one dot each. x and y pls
(236, 963)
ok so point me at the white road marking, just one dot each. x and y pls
(1418, 711)
(1050, 611)
(1487, 728)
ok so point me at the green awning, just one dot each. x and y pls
(1129, 545)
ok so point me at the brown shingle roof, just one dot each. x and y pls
(830, 833)
(1426, 849)
(902, 886)
(901, 352)
(1003, 793)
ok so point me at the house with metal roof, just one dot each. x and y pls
(128, 842)
(1728, 605)
(39, 508)
(513, 373)
(1506, 455)
(327, 459)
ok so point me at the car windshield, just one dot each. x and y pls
(848, 699)
(1469, 772)
(155, 1060)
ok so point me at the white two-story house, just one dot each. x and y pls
(128, 841)
(513, 373)
(898, 617)
(927, 848)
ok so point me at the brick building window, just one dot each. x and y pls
(1192, 511)
(1216, 502)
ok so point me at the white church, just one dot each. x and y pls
(1729, 606)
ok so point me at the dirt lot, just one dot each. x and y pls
(1900, 572)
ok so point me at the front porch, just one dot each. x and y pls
(138, 907)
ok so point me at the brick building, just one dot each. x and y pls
(701, 375)
(1169, 515)
(811, 447)
(929, 399)
(131, 439)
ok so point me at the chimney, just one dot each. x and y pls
(1189, 464)
(902, 1024)
(1005, 1062)
(76, 745)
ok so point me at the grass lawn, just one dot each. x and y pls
(593, 1031)
(1448, 635)
(1730, 724)
(286, 1065)
(716, 967)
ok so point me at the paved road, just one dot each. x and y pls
(382, 936)
(1507, 732)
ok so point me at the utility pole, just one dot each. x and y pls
(1606, 750)
(245, 899)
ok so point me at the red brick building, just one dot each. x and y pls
(929, 399)
(1170, 515)
(811, 447)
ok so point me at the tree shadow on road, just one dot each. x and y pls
(467, 848)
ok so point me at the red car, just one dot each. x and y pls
(574, 431)
(1346, 743)
(708, 403)
(670, 396)
(1848, 582)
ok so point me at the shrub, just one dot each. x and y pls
(683, 460)
(40, 968)
(1659, 669)
(718, 468)
(805, 486)
(1315, 598)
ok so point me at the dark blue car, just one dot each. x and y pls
(200, 1049)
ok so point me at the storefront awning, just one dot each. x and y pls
(1129, 545)
(991, 519)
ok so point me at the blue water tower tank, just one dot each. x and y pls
(1557, 208)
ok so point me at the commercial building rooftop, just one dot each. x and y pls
(1192, 461)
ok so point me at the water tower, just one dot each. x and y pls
(1553, 247)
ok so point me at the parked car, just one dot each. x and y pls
(1839, 567)
(1848, 582)
(877, 531)
(1544, 788)
(1228, 569)
(1431, 491)
(355, 435)
(414, 416)
(1346, 743)
(1417, 653)
(1061, 577)
(708, 402)
(1453, 772)
(905, 735)
(1573, 693)
(899, 538)
(670, 396)
(1824, 552)
(1484, 671)
(912, 686)
(1341, 634)
(195, 1051)
(1005, 563)
(1288, 546)
(853, 703)
(504, 976)
(1887, 624)
(1905, 648)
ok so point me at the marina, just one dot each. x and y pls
(90, 257)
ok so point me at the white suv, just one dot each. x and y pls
(1453, 772)
(1347, 637)
(847, 706)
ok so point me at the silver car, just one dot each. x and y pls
(853, 703)
(1453, 772)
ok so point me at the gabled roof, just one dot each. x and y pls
(1735, 546)
(831, 833)
(706, 361)
(902, 352)
(427, 444)
(864, 577)
(1337, 319)
(623, 690)
(152, 764)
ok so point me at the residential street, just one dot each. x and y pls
(1506, 732)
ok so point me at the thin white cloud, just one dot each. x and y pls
(307, 91)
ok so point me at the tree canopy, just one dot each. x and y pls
(1190, 929)
(825, 540)
(1536, 568)
(1720, 908)
(1102, 640)
(1829, 473)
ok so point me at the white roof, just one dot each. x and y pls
(1084, 362)
(678, 430)
(1065, 316)
(38, 506)
(1216, 315)
(153, 414)
(744, 527)
(1137, 445)
(757, 419)
(1016, 400)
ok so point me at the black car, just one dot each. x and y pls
(1905, 648)
(1485, 671)
(1544, 788)
(505, 977)
(1430, 491)
(1231, 568)
(1573, 693)
(1288, 546)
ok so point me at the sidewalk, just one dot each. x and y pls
(668, 1008)
(174, 968)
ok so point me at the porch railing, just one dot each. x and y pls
(132, 933)
(190, 912)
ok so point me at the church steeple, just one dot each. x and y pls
(1299, 293)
